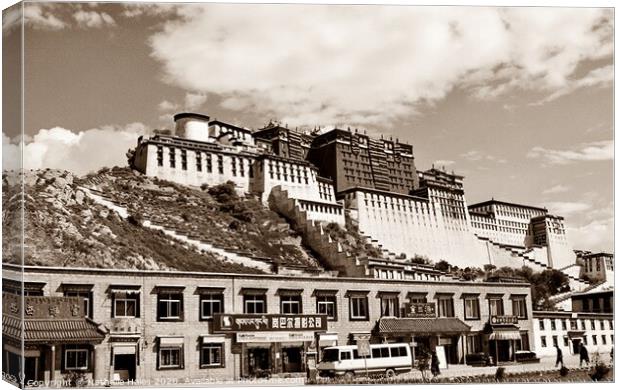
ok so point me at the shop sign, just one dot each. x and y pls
(363, 344)
(273, 337)
(504, 320)
(421, 310)
(268, 322)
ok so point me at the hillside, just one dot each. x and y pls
(65, 226)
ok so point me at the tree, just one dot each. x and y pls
(443, 265)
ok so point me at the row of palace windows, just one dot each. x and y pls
(321, 208)
(543, 340)
(573, 324)
(283, 171)
(170, 305)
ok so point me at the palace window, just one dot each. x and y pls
(602, 323)
(241, 168)
(390, 306)
(555, 340)
(563, 324)
(583, 324)
(519, 308)
(184, 159)
(594, 340)
(496, 306)
(543, 341)
(604, 339)
(573, 324)
(172, 156)
(169, 306)
(290, 304)
(445, 306)
(326, 304)
(76, 357)
(211, 303)
(358, 306)
(220, 164)
(566, 341)
(209, 164)
(160, 156)
(233, 165)
(472, 308)
(254, 304)
(211, 355)
(198, 161)
(592, 324)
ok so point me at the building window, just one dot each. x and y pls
(76, 358)
(211, 355)
(169, 307)
(160, 156)
(184, 159)
(170, 357)
(583, 324)
(604, 339)
(358, 308)
(552, 324)
(198, 161)
(555, 341)
(541, 324)
(172, 156)
(474, 344)
(390, 306)
(594, 340)
(472, 308)
(86, 295)
(543, 341)
(602, 323)
(220, 164)
(209, 164)
(585, 340)
(496, 306)
(524, 342)
(611, 325)
(563, 324)
(573, 324)
(519, 308)
(327, 305)
(254, 304)
(445, 306)
(210, 304)
(592, 324)
(290, 304)
(566, 341)
(126, 305)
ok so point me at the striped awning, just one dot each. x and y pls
(505, 333)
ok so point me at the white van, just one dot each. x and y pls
(387, 359)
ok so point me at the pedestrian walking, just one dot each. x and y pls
(583, 355)
(435, 364)
(559, 359)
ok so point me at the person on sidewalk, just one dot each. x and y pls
(559, 359)
(583, 355)
(435, 364)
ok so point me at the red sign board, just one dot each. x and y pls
(268, 322)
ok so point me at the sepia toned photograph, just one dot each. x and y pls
(241, 194)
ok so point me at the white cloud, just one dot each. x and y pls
(593, 151)
(364, 64)
(40, 16)
(595, 235)
(599, 77)
(78, 152)
(166, 105)
(567, 208)
(93, 19)
(476, 155)
(443, 163)
(558, 189)
(194, 100)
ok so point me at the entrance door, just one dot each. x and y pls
(291, 359)
(31, 369)
(576, 343)
(258, 361)
(500, 350)
(125, 367)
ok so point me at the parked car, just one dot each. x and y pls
(479, 359)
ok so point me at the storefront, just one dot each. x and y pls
(427, 333)
(272, 344)
(504, 338)
(59, 338)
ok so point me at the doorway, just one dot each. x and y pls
(258, 361)
(125, 367)
(31, 369)
(576, 343)
(291, 359)
(500, 350)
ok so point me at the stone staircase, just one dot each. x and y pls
(329, 251)
(522, 255)
(238, 257)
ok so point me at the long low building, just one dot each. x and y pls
(148, 326)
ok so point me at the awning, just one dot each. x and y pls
(75, 287)
(213, 339)
(289, 291)
(171, 341)
(253, 291)
(170, 289)
(124, 349)
(58, 331)
(210, 290)
(422, 326)
(324, 293)
(505, 333)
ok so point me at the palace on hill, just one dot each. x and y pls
(374, 181)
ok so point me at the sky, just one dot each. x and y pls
(517, 100)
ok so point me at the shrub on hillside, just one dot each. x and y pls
(224, 193)
(135, 219)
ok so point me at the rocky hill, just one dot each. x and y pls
(68, 221)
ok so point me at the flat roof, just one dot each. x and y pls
(196, 274)
(493, 201)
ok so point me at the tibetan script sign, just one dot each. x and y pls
(268, 322)
(504, 320)
(421, 310)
